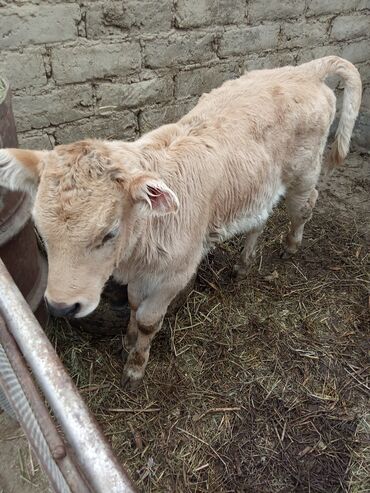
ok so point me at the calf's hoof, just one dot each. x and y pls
(240, 271)
(130, 381)
(287, 254)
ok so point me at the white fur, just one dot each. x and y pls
(14, 175)
(249, 220)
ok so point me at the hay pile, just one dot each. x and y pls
(259, 386)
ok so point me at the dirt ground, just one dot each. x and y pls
(258, 386)
(19, 470)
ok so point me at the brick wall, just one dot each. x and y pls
(119, 68)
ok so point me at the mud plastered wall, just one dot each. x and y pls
(116, 69)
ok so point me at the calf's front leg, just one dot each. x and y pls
(131, 332)
(138, 356)
(149, 316)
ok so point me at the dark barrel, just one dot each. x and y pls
(18, 244)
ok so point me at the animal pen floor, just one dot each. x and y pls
(258, 386)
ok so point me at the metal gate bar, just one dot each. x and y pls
(16, 397)
(94, 454)
(24, 396)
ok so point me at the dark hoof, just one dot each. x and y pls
(129, 383)
(240, 272)
(285, 255)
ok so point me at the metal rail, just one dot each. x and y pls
(18, 400)
(95, 456)
(34, 417)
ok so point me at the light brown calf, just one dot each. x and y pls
(149, 211)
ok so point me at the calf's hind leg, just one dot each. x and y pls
(299, 207)
(249, 250)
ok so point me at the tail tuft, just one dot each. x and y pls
(335, 157)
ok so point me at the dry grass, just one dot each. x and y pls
(257, 386)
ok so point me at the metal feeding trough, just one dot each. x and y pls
(78, 460)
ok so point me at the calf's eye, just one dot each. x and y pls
(109, 236)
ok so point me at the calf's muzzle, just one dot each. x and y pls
(62, 309)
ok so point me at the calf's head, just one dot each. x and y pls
(91, 200)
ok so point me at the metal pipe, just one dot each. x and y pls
(5, 405)
(94, 454)
(25, 415)
(56, 445)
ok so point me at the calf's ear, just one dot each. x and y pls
(154, 195)
(20, 169)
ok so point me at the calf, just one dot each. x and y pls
(148, 211)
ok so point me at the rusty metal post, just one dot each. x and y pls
(95, 456)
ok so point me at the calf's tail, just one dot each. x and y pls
(351, 102)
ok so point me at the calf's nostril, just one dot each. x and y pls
(62, 309)
(76, 309)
